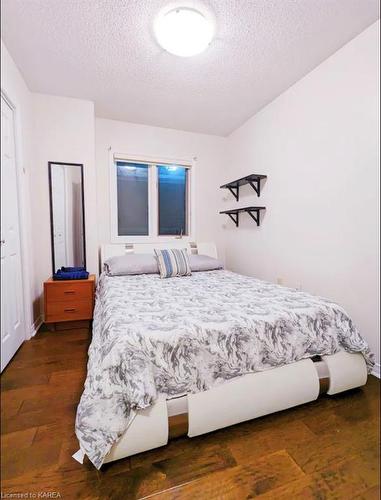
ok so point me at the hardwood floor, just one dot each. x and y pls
(322, 450)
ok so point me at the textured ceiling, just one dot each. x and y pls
(104, 50)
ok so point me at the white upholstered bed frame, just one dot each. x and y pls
(242, 398)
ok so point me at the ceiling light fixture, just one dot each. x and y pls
(184, 30)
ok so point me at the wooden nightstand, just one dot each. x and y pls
(69, 300)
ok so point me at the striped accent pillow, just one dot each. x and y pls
(173, 262)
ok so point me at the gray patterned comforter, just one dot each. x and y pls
(187, 334)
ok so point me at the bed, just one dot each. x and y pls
(198, 353)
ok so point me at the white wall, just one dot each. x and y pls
(48, 128)
(64, 132)
(319, 145)
(157, 142)
(13, 85)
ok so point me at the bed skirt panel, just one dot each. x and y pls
(252, 396)
(346, 371)
(148, 430)
(243, 398)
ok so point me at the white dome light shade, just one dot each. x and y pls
(183, 31)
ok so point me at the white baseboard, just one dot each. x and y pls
(36, 326)
(376, 370)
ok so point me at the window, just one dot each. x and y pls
(172, 185)
(132, 185)
(150, 200)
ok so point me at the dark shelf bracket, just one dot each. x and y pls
(254, 213)
(253, 179)
(234, 219)
(234, 193)
(256, 185)
(254, 217)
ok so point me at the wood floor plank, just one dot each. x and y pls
(332, 448)
(80, 483)
(68, 378)
(161, 475)
(16, 379)
(36, 418)
(9, 406)
(344, 480)
(178, 447)
(370, 494)
(56, 401)
(326, 449)
(18, 440)
(49, 364)
(114, 482)
(268, 439)
(39, 455)
(36, 397)
(253, 479)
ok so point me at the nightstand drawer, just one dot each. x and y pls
(65, 311)
(69, 300)
(69, 291)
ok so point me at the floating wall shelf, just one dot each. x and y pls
(254, 213)
(253, 179)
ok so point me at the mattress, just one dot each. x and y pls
(185, 335)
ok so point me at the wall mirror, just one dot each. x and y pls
(67, 216)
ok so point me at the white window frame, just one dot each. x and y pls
(153, 205)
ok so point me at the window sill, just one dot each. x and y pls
(150, 239)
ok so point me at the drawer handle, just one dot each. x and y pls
(71, 310)
(69, 291)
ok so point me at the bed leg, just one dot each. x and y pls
(323, 385)
(177, 425)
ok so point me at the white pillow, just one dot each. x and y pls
(129, 264)
(204, 263)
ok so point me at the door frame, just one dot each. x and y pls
(22, 186)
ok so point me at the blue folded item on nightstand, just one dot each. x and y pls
(72, 269)
(71, 275)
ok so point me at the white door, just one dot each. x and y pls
(12, 311)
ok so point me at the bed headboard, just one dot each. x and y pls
(111, 250)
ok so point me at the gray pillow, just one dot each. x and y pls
(204, 263)
(122, 265)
